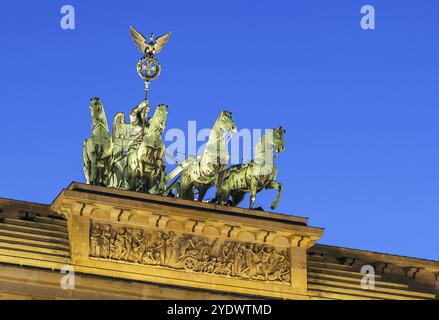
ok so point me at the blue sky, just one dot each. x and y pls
(360, 107)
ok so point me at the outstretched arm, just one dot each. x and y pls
(138, 114)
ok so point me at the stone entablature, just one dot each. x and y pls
(180, 242)
(36, 244)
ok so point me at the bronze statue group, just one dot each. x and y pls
(132, 157)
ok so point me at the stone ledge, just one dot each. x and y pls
(194, 205)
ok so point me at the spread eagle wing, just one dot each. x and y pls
(161, 42)
(138, 39)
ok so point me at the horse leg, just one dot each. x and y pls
(187, 191)
(117, 176)
(162, 185)
(219, 182)
(132, 174)
(98, 174)
(222, 196)
(86, 163)
(93, 169)
(201, 193)
(237, 198)
(131, 179)
(279, 187)
(175, 186)
(98, 171)
(141, 177)
(253, 190)
(123, 181)
(106, 171)
(148, 181)
(186, 187)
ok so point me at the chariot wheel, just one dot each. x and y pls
(190, 263)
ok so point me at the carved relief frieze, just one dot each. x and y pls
(189, 252)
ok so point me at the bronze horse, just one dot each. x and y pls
(252, 177)
(208, 170)
(97, 149)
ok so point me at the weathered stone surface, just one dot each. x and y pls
(180, 242)
(125, 245)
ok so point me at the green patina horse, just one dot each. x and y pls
(206, 171)
(252, 177)
(97, 150)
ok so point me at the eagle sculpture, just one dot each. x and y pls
(152, 47)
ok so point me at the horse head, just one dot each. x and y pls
(98, 116)
(226, 122)
(278, 139)
(158, 120)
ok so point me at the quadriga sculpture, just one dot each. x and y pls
(208, 170)
(97, 150)
(254, 176)
(146, 164)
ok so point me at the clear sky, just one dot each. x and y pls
(361, 108)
